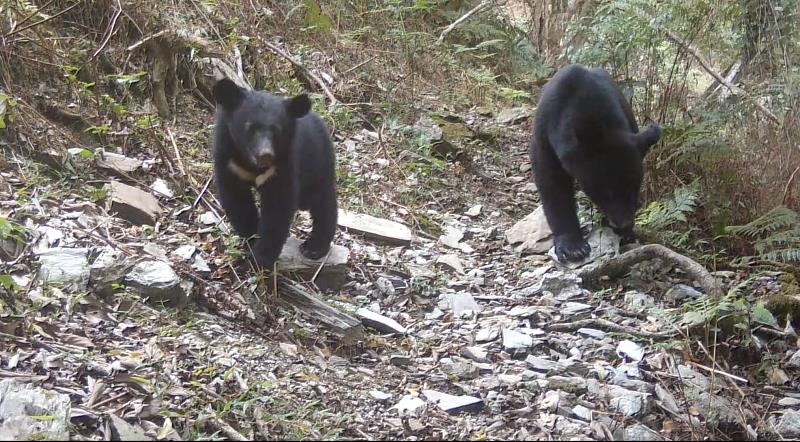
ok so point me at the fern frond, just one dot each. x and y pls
(661, 214)
(777, 218)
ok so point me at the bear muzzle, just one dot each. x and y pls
(264, 155)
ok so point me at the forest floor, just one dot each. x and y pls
(497, 344)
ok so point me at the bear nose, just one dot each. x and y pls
(264, 159)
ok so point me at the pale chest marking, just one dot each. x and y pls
(248, 176)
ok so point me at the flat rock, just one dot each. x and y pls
(602, 240)
(459, 368)
(487, 334)
(400, 360)
(23, 409)
(118, 163)
(108, 269)
(157, 281)
(409, 405)
(379, 322)
(789, 425)
(630, 350)
(592, 333)
(463, 304)
(379, 395)
(452, 262)
(627, 402)
(574, 308)
(65, 266)
(582, 413)
(513, 115)
(794, 360)
(640, 432)
(333, 273)
(122, 430)
(532, 232)
(514, 340)
(680, 292)
(453, 404)
(542, 364)
(378, 228)
(161, 187)
(474, 211)
(476, 353)
(789, 402)
(574, 385)
(132, 204)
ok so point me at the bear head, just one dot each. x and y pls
(261, 125)
(612, 176)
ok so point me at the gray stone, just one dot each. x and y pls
(459, 368)
(720, 412)
(118, 163)
(514, 340)
(630, 350)
(122, 430)
(409, 405)
(789, 402)
(161, 187)
(486, 334)
(592, 333)
(65, 266)
(574, 308)
(542, 364)
(574, 385)
(582, 413)
(32, 413)
(378, 228)
(532, 233)
(452, 262)
(476, 353)
(638, 302)
(379, 322)
(640, 432)
(680, 292)
(379, 395)
(333, 273)
(453, 404)
(400, 360)
(789, 425)
(157, 281)
(185, 252)
(108, 270)
(474, 211)
(132, 204)
(628, 403)
(513, 115)
(463, 304)
(794, 361)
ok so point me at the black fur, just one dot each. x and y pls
(584, 130)
(259, 131)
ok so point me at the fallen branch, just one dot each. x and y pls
(707, 67)
(606, 325)
(620, 264)
(348, 327)
(277, 51)
(461, 19)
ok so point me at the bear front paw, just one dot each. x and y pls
(314, 251)
(571, 248)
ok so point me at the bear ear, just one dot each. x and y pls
(227, 93)
(298, 106)
(648, 137)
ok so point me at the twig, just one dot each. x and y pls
(146, 39)
(321, 264)
(707, 67)
(735, 378)
(305, 70)
(178, 158)
(789, 185)
(111, 29)
(44, 20)
(620, 264)
(229, 431)
(33, 14)
(603, 324)
(469, 13)
(202, 192)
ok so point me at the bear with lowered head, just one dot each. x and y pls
(283, 150)
(585, 131)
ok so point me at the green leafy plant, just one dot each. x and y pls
(775, 235)
(664, 213)
(6, 105)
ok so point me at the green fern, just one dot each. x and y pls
(776, 235)
(661, 214)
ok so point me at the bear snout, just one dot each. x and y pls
(264, 155)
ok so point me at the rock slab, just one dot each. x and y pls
(333, 273)
(32, 413)
(377, 228)
(132, 204)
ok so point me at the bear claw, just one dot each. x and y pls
(571, 248)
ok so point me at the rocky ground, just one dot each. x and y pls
(467, 337)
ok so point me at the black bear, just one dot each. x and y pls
(584, 130)
(283, 150)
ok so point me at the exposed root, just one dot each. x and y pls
(606, 325)
(620, 264)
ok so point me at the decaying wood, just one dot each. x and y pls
(620, 264)
(348, 327)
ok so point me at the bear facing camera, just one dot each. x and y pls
(283, 150)
(585, 131)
